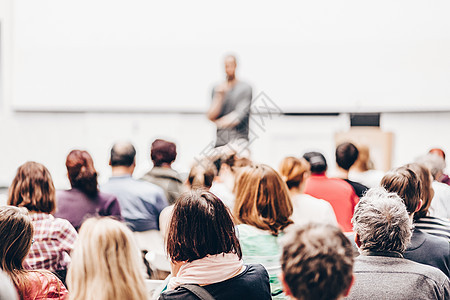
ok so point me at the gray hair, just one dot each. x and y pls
(433, 162)
(382, 222)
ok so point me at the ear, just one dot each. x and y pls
(419, 206)
(347, 292)
(286, 289)
(357, 240)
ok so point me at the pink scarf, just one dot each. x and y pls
(207, 270)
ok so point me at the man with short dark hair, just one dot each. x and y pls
(336, 191)
(346, 155)
(316, 249)
(140, 202)
(382, 232)
(424, 248)
(163, 154)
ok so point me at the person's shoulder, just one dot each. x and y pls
(178, 293)
(106, 197)
(45, 284)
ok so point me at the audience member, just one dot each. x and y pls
(317, 263)
(105, 263)
(363, 170)
(383, 231)
(306, 208)
(223, 183)
(442, 177)
(205, 252)
(440, 205)
(84, 199)
(424, 248)
(141, 202)
(16, 236)
(263, 210)
(54, 238)
(163, 154)
(336, 191)
(346, 155)
(422, 220)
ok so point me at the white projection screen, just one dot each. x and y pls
(165, 56)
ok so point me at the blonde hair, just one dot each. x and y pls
(262, 199)
(293, 169)
(105, 263)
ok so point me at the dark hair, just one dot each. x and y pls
(16, 234)
(123, 154)
(317, 262)
(81, 171)
(406, 183)
(201, 225)
(426, 187)
(33, 188)
(317, 161)
(346, 155)
(163, 152)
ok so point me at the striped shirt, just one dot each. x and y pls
(435, 226)
(54, 238)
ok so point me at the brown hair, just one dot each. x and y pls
(81, 172)
(201, 225)
(427, 190)
(33, 188)
(262, 199)
(317, 262)
(293, 169)
(406, 183)
(16, 233)
(163, 152)
(202, 174)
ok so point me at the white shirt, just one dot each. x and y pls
(309, 209)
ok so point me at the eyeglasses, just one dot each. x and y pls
(32, 241)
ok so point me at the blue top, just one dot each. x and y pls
(141, 202)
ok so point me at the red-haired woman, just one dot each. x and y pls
(84, 199)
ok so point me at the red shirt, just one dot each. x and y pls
(45, 286)
(338, 193)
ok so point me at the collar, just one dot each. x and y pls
(382, 253)
(36, 216)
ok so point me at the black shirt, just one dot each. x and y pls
(359, 188)
(252, 283)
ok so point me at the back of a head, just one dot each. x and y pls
(426, 188)
(437, 151)
(122, 154)
(363, 163)
(262, 199)
(405, 183)
(81, 171)
(317, 262)
(434, 162)
(16, 234)
(381, 222)
(346, 155)
(105, 263)
(317, 162)
(33, 188)
(202, 174)
(201, 225)
(293, 170)
(163, 152)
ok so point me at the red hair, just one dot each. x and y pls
(81, 172)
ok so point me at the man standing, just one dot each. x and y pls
(140, 202)
(383, 231)
(230, 108)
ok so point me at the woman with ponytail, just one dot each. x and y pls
(84, 199)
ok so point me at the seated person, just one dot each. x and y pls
(382, 232)
(205, 251)
(317, 249)
(54, 238)
(336, 191)
(363, 170)
(306, 208)
(163, 154)
(424, 248)
(106, 263)
(16, 236)
(441, 177)
(346, 155)
(83, 199)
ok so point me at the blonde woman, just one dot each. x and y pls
(105, 263)
(306, 208)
